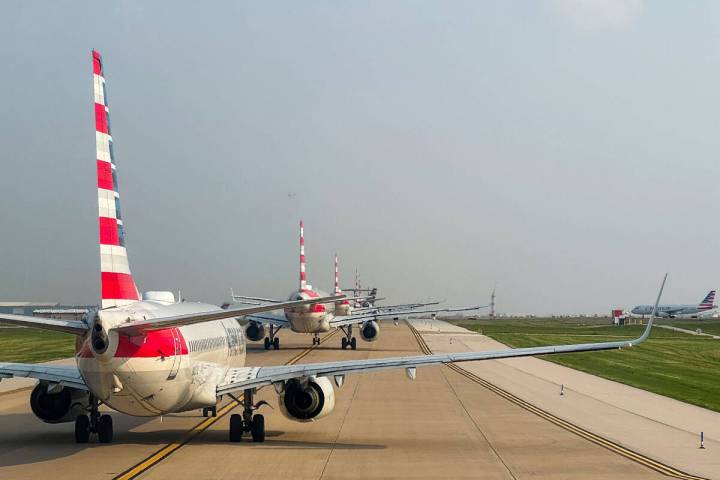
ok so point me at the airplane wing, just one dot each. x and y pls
(341, 321)
(64, 375)
(138, 327)
(248, 377)
(393, 308)
(253, 300)
(76, 327)
(270, 318)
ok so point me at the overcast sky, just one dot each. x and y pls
(566, 149)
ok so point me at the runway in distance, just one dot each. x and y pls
(671, 311)
(152, 355)
(320, 318)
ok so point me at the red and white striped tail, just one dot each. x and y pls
(303, 277)
(117, 285)
(337, 277)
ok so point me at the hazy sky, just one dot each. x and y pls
(565, 149)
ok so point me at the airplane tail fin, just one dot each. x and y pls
(708, 302)
(303, 277)
(117, 284)
(337, 276)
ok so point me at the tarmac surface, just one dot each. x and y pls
(442, 425)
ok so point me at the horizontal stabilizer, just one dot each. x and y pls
(76, 327)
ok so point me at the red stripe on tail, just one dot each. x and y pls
(109, 232)
(118, 286)
(101, 123)
(104, 173)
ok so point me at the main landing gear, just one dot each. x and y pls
(248, 422)
(316, 339)
(272, 340)
(348, 340)
(94, 423)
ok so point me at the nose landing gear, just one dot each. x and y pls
(272, 340)
(93, 423)
(316, 339)
(248, 422)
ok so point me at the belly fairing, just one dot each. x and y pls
(309, 322)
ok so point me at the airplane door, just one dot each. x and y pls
(177, 354)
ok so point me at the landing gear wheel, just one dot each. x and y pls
(353, 343)
(344, 343)
(276, 343)
(257, 428)
(105, 429)
(267, 343)
(82, 429)
(236, 427)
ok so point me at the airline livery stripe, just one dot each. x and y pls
(109, 234)
(97, 66)
(104, 173)
(154, 341)
(119, 286)
(101, 123)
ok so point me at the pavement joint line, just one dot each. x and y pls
(581, 432)
(164, 452)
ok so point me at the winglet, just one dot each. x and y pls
(646, 333)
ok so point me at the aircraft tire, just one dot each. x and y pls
(344, 343)
(257, 428)
(267, 343)
(82, 429)
(105, 429)
(353, 343)
(276, 343)
(236, 427)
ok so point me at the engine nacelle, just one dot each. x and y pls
(307, 400)
(370, 331)
(58, 407)
(255, 331)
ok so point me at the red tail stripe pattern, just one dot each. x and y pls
(109, 234)
(118, 286)
(105, 178)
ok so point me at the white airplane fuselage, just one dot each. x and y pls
(310, 318)
(162, 371)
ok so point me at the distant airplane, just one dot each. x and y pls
(151, 356)
(320, 318)
(672, 311)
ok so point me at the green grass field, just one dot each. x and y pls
(673, 364)
(28, 345)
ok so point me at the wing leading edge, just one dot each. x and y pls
(76, 327)
(245, 378)
(341, 321)
(66, 376)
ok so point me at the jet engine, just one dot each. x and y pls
(255, 331)
(58, 406)
(308, 399)
(369, 331)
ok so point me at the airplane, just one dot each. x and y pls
(672, 311)
(150, 357)
(320, 318)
